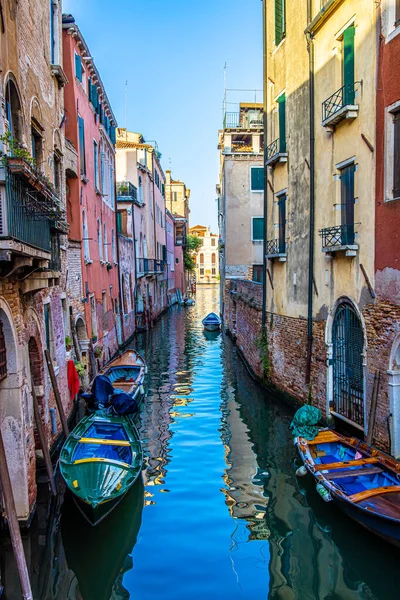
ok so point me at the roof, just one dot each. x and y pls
(125, 145)
(251, 105)
(199, 227)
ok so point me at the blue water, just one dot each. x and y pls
(219, 513)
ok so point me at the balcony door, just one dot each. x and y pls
(347, 203)
(348, 65)
(282, 223)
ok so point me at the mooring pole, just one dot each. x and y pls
(43, 443)
(56, 393)
(13, 525)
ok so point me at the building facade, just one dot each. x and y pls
(207, 259)
(33, 240)
(90, 128)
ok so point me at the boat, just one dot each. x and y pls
(360, 479)
(187, 302)
(100, 460)
(211, 322)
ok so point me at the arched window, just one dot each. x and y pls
(213, 258)
(85, 235)
(99, 240)
(105, 243)
(202, 259)
(13, 111)
(348, 370)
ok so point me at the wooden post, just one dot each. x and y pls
(43, 443)
(75, 339)
(372, 413)
(13, 525)
(56, 393)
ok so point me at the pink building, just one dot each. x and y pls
(90, 128)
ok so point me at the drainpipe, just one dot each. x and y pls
(310, 45)
(265, 209)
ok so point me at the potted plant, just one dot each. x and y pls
(98, 351)
(68, 343)
(94, 338)
(80, 369)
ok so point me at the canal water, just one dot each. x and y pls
(219, 513)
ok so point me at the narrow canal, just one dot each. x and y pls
(220, 513)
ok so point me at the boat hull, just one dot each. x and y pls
(211, 326)
(96, 514)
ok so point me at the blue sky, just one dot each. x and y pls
(172, 53)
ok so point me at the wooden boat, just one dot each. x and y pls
(126, 373)
(361, 480)
(100, 460)
(212, 322)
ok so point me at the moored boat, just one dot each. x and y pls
(211, 322)
(361, 480)
(100, 461)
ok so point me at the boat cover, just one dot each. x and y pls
(123, 403)
(305, 421)
(104, 394)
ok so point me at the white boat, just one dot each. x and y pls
(212, 322)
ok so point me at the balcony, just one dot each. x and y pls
(276, 152)
(180, 240)
(339, 106)
(127, 192)
(276, 249)
(339, 239)
(235, 120)
(150, 266)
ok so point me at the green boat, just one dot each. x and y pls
(100, 460)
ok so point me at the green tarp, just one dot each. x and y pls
(305, 421)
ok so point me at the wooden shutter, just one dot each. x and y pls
(258, 228)
(347, 202)
(282, 223)
(396, 155)
(3, 354)
(113, 135)
(348, 65)
(282, 123)
(78, 67)
(279, 21)
(119, 222)
(257, 179)
(82, 158)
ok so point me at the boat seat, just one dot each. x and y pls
(347, 473)
(324, 437)
(329, 466)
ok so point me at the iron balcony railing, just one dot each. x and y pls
(276, 247)
(335, 237)
(343, 97)
(126, 191)
(235, 120)
(180, 240)
(55, 261)
(150, 265)
(27, 217)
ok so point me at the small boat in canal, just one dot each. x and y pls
(212, 322)
(360, 479)
(100, 461)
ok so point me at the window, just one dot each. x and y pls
(103, 182)
(213, 271)
(78, 67)
(57, 171)
(212, 241)
(99, 240)
(105, 242)
(13, 111)
(397, 14)
(113, 246)
(3, 354)
(53, 30)
(347, 203)
(65, 313)
(82, 158)
(85, 235)
(140, 190)
(348, 65)
(48, 325)
(258, 229)
(201, 271)
(258, 273)
(282, 123)
(202, 259)
(213, 258)
(37, 145)
(125, 306)
(282, 223)
(96, 165)
(257, 179)
(104, 305)
(174, 196)
(280, 21)
(396, 154)
(94, 316)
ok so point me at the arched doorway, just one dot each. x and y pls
(394, 396)
(348, 364)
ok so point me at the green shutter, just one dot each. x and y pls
(78, 67)
(119, 222)
(82, 158)
(282, 123)
(279, 21)
(348, 65)
(257, 179)
(113, 135)
(258, 228)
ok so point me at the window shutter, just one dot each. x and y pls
(282, 123)
(396, 156)
(348, 65)
(119, 222)
(279, 21)
(258, 228)
(82, 159)
(113, 134)
(78, 67)
(282, 223)
(257, 179)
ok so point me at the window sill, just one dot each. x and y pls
(88, 261)
(257, 242)
(392, 199)
(350, 250)
(97, 191)
(394, 33)
(84, 178)
(257, 191)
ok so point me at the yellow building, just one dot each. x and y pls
(207, 260)
(176, 196)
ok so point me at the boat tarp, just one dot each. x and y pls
(212, 318)
(103, 393)
(305, 421)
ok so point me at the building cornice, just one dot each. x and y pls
(322, 16)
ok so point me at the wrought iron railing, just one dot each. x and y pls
(334, 237)
(126, 190)
(150, 265)
(28, 214)
(276, 247)
(235, 120)
(231, 120)
(55, 261)
(343, 97)
(180, 240)
(278, 146)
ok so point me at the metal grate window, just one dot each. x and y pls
(348, 375)
(3, 354)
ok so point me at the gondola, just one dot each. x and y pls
(212, 322)
(126, 373)
(361, 480)
(100, 460)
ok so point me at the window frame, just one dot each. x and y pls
(258, 240)
(260, 191)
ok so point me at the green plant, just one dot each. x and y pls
(263, 349)
(98, 351)
(68, 342)
(15, 149)
(80, 369)
(94, 338)
(193, 245)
